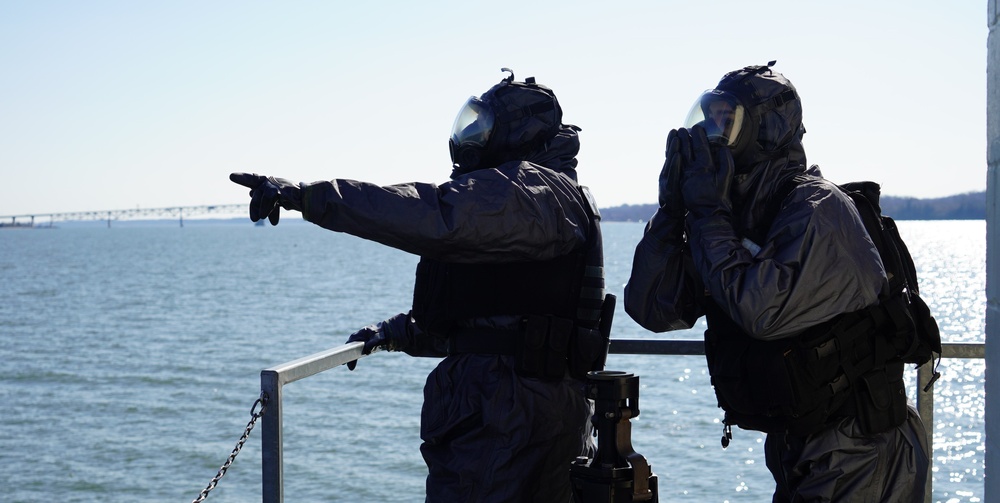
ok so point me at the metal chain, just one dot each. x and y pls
(254, 416)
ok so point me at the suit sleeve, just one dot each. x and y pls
(817, 262)
(511, 213)
(661, 293)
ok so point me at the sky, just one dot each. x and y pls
(119, 104)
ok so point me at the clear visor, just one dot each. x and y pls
(473, 125)
(720, 114)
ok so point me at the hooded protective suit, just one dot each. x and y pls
(490, 434)
(774, 279)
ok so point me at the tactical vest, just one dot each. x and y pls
(561, 302)
(851, 365)
(843, 367)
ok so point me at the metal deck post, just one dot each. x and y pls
(271, 382)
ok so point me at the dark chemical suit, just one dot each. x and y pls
(489, 434)
(810, 263)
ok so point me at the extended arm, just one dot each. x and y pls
(515, 212)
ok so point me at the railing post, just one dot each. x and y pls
(925, 406)
(271, 444)
(271, 382)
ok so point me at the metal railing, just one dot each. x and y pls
(273, 379)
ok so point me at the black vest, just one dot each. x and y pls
(569, 287)
(851, 365)
(843, 367)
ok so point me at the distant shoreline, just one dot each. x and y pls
(969, 206)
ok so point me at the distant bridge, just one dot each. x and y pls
(175, 212)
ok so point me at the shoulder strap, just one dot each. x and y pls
(896, 259)
(865, 196)
(921, 329)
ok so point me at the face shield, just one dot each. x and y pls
(721, 114)
(473, 125)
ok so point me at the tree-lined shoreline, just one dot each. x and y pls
(968, 206)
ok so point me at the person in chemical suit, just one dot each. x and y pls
(768, 270)
(509, 290)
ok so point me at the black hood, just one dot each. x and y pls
(559, 153)
(774, 116)
(773, 153)
(522, 117)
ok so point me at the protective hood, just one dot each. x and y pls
(559, 153)
(751, 192)
(506, 123)
(756, 112)
(767, 140)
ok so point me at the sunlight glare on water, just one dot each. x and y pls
(132, 357)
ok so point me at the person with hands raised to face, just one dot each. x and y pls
(705, 178)
(509, 292)
(791, 285)
(670, 178)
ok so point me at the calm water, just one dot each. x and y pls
(131, 358)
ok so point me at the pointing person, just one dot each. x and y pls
(508, 291)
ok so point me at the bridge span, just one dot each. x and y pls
(174, 212)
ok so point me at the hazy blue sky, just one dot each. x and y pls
(122, 104)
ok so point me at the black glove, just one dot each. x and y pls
(268, 195)
(670, 178)
(389, 335)
(706, 178)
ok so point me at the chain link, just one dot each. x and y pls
(254, 416)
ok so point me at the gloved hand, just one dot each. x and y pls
(706, 176)
(268, 195)
(388, 335)
(670, 178)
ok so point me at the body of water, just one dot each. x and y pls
(131, 357)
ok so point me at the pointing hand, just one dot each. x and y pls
(268, 195)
